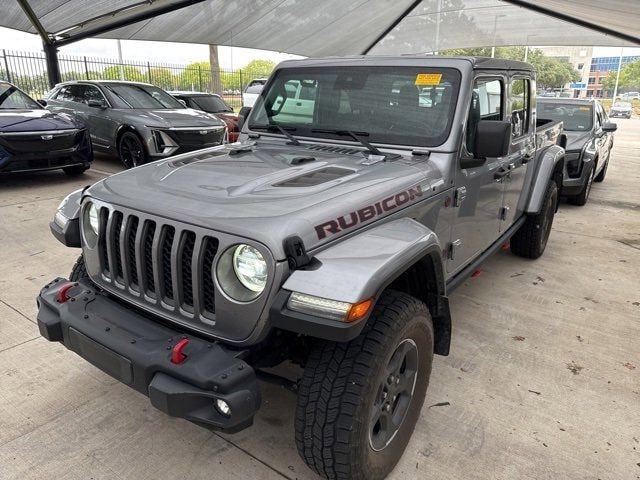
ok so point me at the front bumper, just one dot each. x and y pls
(137, 351)
(620, 114)
(574, 185)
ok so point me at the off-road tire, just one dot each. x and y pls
(531, 238)
(582, 198)
(603, 173)
(75, 170)
(344, 382)
(79, 271)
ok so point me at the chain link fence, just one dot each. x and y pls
(28, 70)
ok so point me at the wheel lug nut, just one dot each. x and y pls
(387, 407)
(397, 381)
(384, 395)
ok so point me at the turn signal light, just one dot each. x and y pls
(359, 310)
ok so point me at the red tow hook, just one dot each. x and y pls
(177, 356)
(62, 294)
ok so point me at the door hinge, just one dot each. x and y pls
(455, 245)
(461, 194)
(503, 212)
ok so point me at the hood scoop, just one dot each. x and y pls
(334, 149)
(316, 177)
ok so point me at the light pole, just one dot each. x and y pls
(615, 89)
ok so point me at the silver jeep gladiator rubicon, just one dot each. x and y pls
(361, 192)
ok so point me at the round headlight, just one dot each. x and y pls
(250, 267)
(93, 218)
(90, 225)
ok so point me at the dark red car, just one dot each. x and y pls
(212, 103)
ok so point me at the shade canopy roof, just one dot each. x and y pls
(334, 27)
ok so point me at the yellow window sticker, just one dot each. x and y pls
(585, 109)
(428, 79)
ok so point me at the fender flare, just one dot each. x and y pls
(363, 266)
(66, 222)
(550, 166)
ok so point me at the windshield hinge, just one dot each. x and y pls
(296, 252)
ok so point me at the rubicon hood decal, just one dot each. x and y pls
(361, 215)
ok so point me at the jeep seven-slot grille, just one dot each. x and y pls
(159, 262)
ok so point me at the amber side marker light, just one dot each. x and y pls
(359, 310)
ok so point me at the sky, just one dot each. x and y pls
(179, 53)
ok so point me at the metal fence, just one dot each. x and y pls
(28, 70)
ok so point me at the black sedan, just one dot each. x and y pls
(33, 138)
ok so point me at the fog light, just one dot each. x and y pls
(223, 407)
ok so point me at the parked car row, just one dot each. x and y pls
(137, 122)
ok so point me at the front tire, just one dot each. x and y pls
(79, 271)
(583, 196)
(531, 238)
(600, 177)
(131, 150)
(358, 402)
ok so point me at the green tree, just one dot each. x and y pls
(629, 79)
(195, 76)
(129, 72)
(257, 69)
(162, 77)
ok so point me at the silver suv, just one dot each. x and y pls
(136, 121)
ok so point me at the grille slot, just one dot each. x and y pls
(164, 265)
(115, 239)
(167, 243)
(131, 251)
(208, 288)
(149, 233)
(188, 242)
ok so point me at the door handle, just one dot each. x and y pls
(298, 104)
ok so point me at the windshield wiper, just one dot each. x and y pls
(357, 136)
(293, 140)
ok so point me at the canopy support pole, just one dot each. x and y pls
(50, 50)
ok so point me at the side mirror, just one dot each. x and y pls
(492, 139)
(184, 104)
(42, 102)
(96, 104)
(242, 116)
(562, 140)
(609, 127)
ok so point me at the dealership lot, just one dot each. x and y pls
(543, 380)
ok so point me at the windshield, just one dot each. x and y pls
(575, 117)
(13, 99)
(411, 106)
(622, 105)
(143, 96)
(210, 103)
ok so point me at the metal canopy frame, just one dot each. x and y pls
(104, 23)
(150, 9)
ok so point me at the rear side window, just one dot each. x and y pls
(520, 106)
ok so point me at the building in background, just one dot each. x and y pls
(581, 59)
(600, 68)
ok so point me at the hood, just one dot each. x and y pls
(273, 190)
(177, 117)
(36, 121)
(577, 140)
